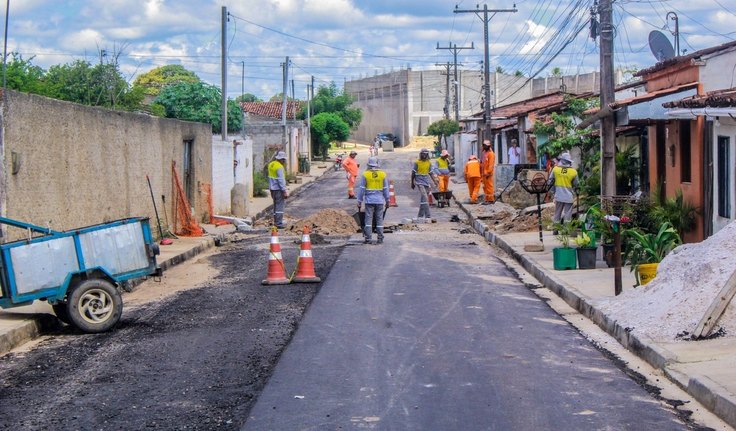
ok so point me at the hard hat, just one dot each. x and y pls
(473, 157)
(280, 156)
(566, 157)
(444, 153)
(353, 153)
(424, 150)
(373, 162)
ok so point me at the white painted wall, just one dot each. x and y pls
(718, 72)
(232, 161)
(724, 127)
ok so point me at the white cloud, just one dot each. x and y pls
(539, 38)
(86, 39)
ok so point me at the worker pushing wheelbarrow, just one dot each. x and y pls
(441, 177)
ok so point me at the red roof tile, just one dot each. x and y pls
(271, 109)
(713, 99)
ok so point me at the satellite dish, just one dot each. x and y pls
(661, 46)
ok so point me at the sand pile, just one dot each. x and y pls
(329, 221)
(687, 282)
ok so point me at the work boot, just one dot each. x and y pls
(366, 241)
(380, 241)
(352, 197)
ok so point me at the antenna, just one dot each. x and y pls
(661, 46)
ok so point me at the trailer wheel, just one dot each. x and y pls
(62, 311)
(94, 306)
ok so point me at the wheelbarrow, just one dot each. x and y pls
(442, 198)
(360, 219)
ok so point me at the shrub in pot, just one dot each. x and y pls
(646, 250)
(564, 257)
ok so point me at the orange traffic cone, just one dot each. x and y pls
(391, 195)
(276, 270)
(305, 263)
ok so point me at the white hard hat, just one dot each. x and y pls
(566, 157)
(373, 162)
(280, 156)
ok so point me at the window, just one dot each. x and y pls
(723, 176)
(685, 159)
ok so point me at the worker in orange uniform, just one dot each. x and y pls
(488, 165)
(351, 167)
(443, 171)
(472, 177)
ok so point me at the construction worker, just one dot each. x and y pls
(420, 177)
(472, 177)
(373, 190)
(564, 178)
(351, 168)
(443, 171)
(488, 166)
(277, 186)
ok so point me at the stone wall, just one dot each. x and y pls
(68, 165)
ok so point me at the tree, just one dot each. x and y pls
(327, 127)
(330, 99)
(442, 129)
(247, 97)
(519, 73)
(556, 71)
(156, 79)
(499, 69)
(279, 97)
(198, 101)
(22, 75)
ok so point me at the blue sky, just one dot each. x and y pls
(335, 40)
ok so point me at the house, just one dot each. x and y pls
(718, 109)
(683, 151)
(271, 132)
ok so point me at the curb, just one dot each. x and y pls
(702, 388)
(296, 192)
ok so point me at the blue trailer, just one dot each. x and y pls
(79, 271)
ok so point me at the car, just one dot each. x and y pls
(389, 137)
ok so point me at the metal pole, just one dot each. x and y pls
(673, 17)
(5, 47)
(617, 288)
(539, 216)
(224, 73)
(454, 48)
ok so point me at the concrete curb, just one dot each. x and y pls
(702, 388)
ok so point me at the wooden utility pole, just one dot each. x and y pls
(608, 123)
(487, 60)
(285, 72)
(447, 88)
(224, 73)
(454, 48)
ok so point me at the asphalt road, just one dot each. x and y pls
(430, 331)
(426, 332)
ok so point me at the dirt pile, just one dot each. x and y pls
(512, 221)
(329, 221)
(687, 282)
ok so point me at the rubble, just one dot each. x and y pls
(329, 221)
(688, 280)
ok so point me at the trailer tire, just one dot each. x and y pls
(62, 311)
(94, 305)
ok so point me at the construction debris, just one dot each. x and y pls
(329, 221)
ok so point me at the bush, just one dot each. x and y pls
(260, 184)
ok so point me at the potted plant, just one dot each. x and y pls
(586, 250)
(564, 257)
(646, 250)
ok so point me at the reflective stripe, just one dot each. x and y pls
(305, 253)
(274, 240)
(305, 238)
(274, 255)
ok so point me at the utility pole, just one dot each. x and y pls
(285, 71)
(487, 61)
(224, 73)
(293, 96)
(454, 48)
(242, 96)
(608, 123)
(309, 121)
(447, 88)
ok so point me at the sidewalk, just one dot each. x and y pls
(704, 369)
(21, 324)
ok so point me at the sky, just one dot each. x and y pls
(339, 40)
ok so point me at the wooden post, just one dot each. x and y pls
(716, 309)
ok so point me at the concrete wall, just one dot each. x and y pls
(78, 165)
(232, 163)
(267, 137)
(713, 75)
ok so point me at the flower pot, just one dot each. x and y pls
(563, 258)
(586, 257)
(608, 254)
(647, 271)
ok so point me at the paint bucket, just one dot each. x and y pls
(647, 271)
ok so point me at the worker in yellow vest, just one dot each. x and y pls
(420, 177)
(277, 187)
(443, 171)
(373, 189)
(564, 179)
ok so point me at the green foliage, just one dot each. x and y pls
(247, 97)
(584, 240)
(556, 71)
(260, 184)
(627, 168)
(499, 69)
(330, 99)
(565, 231)
(443, 128)
(645, 248)
(678, 212)
(22, 75)
(518, 74)
(201, 102)
(326, 128)
(153, 81)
